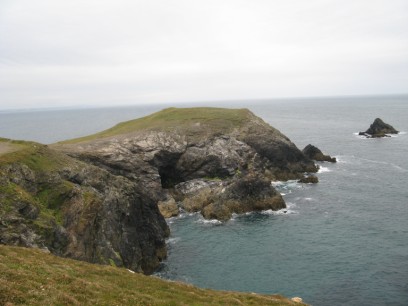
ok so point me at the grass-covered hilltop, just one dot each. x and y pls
(31, 277)
(103, 198)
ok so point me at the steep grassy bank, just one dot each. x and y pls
(31, 277)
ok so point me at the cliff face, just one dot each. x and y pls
(208, 148)
(49, 200)
(97, 198)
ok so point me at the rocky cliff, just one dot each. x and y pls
(97, 198)
(196, 157)
(51, 201)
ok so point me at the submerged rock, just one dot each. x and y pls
(314, 153)
(379, 129)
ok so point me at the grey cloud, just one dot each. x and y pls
(110, 52)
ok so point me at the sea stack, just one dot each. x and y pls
(379, 129)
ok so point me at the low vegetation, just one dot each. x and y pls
(32, 277)
(216, 119)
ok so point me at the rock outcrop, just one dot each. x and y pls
(314, 153)
(379, 129)
(72, 209)
(208, 149)
(102, 198)
(311, 179)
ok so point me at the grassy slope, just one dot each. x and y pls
(31, 277)
(221, 119)
(49, 195)
(35, 155)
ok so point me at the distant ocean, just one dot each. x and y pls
(343, 241)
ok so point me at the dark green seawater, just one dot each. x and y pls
(343, 241)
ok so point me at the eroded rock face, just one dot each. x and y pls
(160, 160)
(379, 129)
(81, 211)
(247, 194)
(314, 153)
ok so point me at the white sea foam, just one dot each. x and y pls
(341, 159)
(285, 186)
(323, 169)
(173, 240)
(289, 210)
(209, 222)
(388, 135)
(183, 214)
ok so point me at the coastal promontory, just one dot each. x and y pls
(196, 159)
(103, 198)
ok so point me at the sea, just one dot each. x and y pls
(343, 241)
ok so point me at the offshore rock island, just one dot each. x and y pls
(102, 198)
(379, 129)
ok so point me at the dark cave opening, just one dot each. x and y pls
(169, 176)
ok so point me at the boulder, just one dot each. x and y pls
(251, 193)
(379, 129)
(314, 153)
(168, 208)
(311, 179)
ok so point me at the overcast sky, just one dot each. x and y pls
(117, 52)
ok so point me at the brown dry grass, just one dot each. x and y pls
(31, 277)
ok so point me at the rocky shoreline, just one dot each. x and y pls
(103, 198)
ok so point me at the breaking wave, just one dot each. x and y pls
(323, 169)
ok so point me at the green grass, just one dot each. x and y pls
(214, 119)
(31, 277)
(36, 156)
